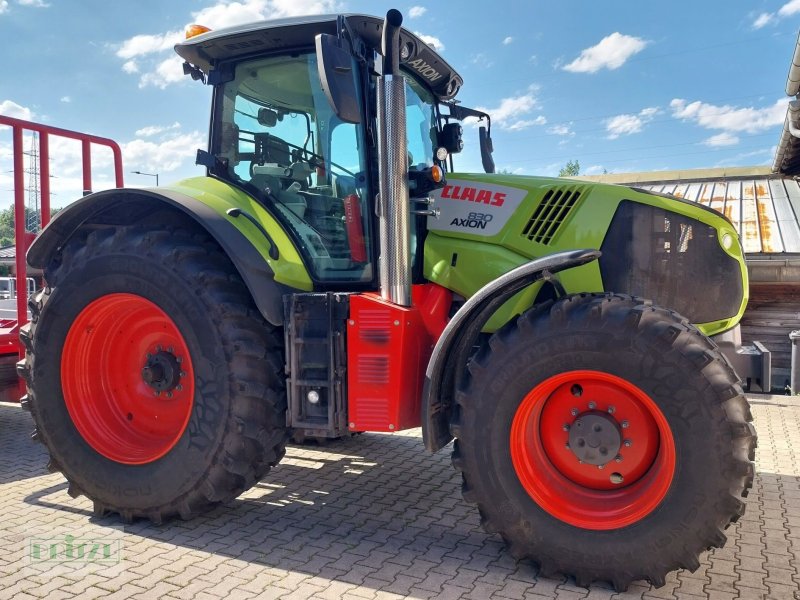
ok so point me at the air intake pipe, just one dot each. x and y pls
(394, 210)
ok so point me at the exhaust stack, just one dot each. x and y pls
(394, 210)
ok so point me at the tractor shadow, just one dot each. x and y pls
(374, 510)
(378, 511)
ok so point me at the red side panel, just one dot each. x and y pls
(355, 229)
(388, 348)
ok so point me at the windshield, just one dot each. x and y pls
(279, 134)
(420, 125)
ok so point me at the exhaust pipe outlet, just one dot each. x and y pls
(394, 209)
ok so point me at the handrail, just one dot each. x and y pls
(21, 236)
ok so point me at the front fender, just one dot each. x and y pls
(446, 367)
(206, 201)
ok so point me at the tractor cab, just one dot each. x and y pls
(296, 128)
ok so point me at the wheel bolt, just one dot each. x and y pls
(171, 350)
(566, 445)
(149, 355)
(618, 458)
(574, 412)
(156, 393)
(601, 467)
(169, 394)
(179, 387)
(628, 443)
(592, 405)
(183, 373)
(611, 410)
(625, 424)
(565, 427)
(158, 348)
(178, 359)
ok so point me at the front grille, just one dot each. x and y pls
(671, 259)
(550, 214)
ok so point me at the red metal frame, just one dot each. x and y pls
(9, 330)
(388, 350)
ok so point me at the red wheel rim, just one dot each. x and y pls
(628, 487)
(119, 413)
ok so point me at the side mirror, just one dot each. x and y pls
(335, 66)
(486, 150)
(451, 138)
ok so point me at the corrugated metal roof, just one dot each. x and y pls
(765, 210)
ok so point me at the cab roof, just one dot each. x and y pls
(208, 50)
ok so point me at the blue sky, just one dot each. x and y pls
(619, 87)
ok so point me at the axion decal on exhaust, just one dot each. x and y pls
(475, 207)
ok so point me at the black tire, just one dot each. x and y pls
(236, 429)
(670, 360)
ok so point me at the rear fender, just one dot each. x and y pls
(446, 367)
(269, 268)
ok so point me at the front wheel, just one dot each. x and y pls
(153, 380)
(604, 438)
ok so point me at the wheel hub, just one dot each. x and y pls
(162, 372)
(595, 438)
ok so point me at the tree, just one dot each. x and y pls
(7, 223)
(571, 169)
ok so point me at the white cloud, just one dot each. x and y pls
(610, 53)
(168, 71)
(562, 129)
(152, 130)
(524, 124)
(130, 67)
(509, 113)
(66, 99)
(790, 8)
(217, 16)
(139, 45)
(34, 3)
(416, 11)
(481, 60)
(508, 40)
(3, 6)
(729, 118)
(432, 41)
(762, 20)
(722, 139)
(628, 124)
(163, 156)
(16, 111)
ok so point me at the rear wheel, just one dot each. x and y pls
(616, 445)
(153, 380)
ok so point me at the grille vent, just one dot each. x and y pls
(550, 214)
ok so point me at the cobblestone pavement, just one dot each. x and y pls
(372, 517)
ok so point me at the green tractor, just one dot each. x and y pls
(332, 274)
